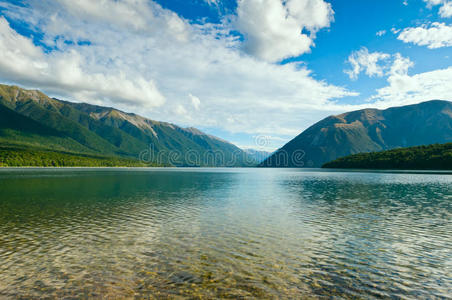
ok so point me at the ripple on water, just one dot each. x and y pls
(230, 234)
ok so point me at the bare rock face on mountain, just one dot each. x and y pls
(366, 130)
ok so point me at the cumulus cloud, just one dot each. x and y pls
(403, 89)
(379, 64)
(65, 72)
(275, 29)
(381, 33)
(433, 36)
(364, 61)
(400, 65)
(445, 10)
(139, 57)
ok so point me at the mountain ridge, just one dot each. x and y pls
(95, 129)
(366, 130)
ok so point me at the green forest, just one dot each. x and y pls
(432, 157)
(19, 156)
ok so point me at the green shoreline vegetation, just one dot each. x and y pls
(431, 157)
(22, 156)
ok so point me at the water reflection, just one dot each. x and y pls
(224, 233)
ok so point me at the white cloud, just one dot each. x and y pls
(433, 36)
(195, 101)
(212, 2)
(136, 54)
(433, 2)
(180, 110)
(445, 10)
(137, 15)
(66, 72)
(378, 64)
(400, 65)
(140, 57)
(395, 30)
(381, 33)
(403, 89)
(273, 28)
(369, 63)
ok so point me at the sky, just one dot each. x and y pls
(254, 72)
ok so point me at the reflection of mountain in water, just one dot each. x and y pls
(219, 233)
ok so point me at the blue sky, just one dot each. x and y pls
(246, 71)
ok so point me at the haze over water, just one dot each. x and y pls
(263, 233)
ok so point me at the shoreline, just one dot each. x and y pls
(302, 170)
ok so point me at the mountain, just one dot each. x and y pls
(258, 155)
(30, 118)
(366, 130)
(432, 157)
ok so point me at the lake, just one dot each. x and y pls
(224, 233)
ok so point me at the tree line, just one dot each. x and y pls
(431, 157)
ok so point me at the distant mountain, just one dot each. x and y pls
(31, 118)
(431, 157)
(258, 155)
(366, 130)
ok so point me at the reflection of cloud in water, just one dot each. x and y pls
(219, 233)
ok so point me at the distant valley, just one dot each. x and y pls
(36, 130)
(258, 155)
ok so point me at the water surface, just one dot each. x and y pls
(228, 233)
